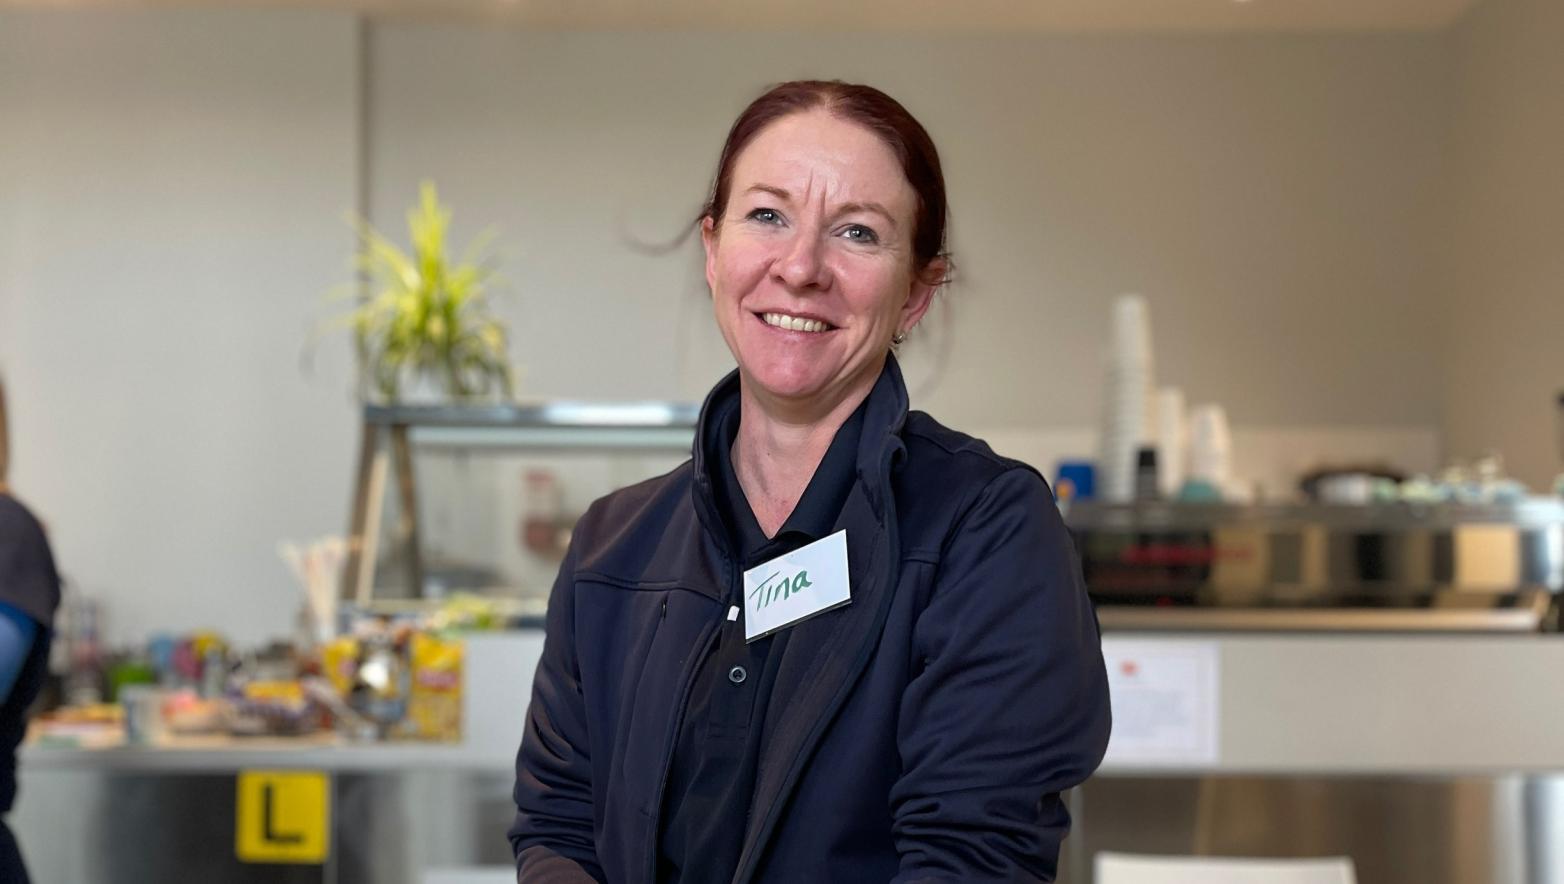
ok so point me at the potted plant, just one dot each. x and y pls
(424, 327)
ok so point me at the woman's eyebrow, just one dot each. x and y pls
(844, 209)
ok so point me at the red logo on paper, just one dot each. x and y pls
(1129, 668)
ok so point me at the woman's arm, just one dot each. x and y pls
(1011, 707)
(552, 834)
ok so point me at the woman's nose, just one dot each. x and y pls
(803, 264)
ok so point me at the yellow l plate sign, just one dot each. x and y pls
(283, 817)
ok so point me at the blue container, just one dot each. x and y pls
(1076, 480)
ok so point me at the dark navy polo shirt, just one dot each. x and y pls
(713, 771)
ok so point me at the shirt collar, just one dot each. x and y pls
(814, 516)
(879, 444)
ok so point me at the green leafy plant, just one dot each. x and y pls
(425, 315)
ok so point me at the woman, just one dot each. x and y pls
(29, 594)
(923, 730)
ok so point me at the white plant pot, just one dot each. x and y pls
(423, 388)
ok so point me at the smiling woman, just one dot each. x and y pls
(911, 703)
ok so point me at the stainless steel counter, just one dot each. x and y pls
(324, 752)
(108, 825)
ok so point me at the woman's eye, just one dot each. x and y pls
(860, 233)
(769, 216)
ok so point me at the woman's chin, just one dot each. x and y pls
(789, 379)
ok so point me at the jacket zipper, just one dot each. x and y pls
(708, 639)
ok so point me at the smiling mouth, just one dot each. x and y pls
(788, 322)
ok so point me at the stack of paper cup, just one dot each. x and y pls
(1210, 446)
(1127, 417)
(1170, 441)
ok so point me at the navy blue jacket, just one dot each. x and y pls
(921, 733)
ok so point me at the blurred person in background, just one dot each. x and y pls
(29, 595)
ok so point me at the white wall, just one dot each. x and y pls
(1504, 356)
(172, 185)
(171, 193)
(1272, 196)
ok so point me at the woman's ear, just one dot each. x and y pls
(921, 295)
(709, 243)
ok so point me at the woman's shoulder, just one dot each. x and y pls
(622, 522)
(17, 522)
(960, 458)
(948, 471)
(28, 579)
(644, 499)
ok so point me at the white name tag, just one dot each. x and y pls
(800, 584)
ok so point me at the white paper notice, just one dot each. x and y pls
(1165, 702)
(807, 581)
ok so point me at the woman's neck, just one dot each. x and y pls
(777, 450)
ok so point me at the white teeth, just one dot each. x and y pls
(782, 320)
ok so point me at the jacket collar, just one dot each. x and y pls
(883, 419)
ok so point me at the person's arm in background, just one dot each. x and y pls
(552, 836)
(1011, 707)
(17, 632)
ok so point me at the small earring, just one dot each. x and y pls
(898, 337)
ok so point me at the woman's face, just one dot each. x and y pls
(810, 266)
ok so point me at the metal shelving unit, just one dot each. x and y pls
(389, 435)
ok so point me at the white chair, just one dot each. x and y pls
(1128, 868)
(471, 875)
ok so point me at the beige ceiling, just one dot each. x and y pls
(915, 15)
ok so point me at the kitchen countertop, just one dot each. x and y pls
(1288, 704)
(1378, 704)
(497, 672)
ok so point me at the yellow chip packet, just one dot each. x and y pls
(434, 710)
